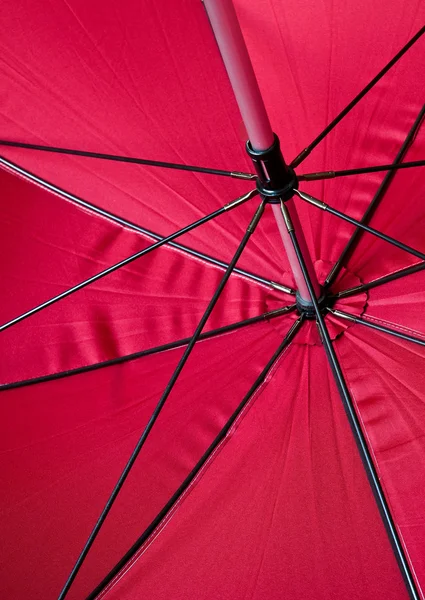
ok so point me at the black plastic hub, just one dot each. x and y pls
(307, 309)
(276, 180)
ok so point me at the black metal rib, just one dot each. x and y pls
(360, 171)
(127, 159)
(370, 211)
(126, 261)
(200, 464)
(358, 289)
(361, 321)
(299, 159)
(126, 223)
(356, 428)
(344, 217)
(278, 312)
(250, 230)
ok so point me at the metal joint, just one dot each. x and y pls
(239, 175)
(317, 176)
(256, 218)
(342, 315)
(241, 199)
(301, 156)
(358, 289)
(279, 311)
(311, 200)
(282, 288)
(286, 217)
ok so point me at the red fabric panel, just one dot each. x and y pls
(145, 79)
(387, 381)
(311, 60)
(399, 304)
(399, 215)
(284, 510)
(150, 94)
(49, 244)
(65, 442)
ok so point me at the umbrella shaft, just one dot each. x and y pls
(225, 24)
(263, 145)
(292, 257)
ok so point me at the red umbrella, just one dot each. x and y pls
(221, 415)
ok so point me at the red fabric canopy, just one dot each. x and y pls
(282, 508)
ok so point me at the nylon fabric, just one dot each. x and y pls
(390, 402)
(112, 93)
(60, 462)
(309, 77)
(123, 89)
(399, 215)
(399, 303)
(283, 509)
(291, 516)
(49, 245)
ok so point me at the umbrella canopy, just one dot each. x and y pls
(250, 484)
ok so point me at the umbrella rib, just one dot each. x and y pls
(325, 207)
(360, 171)
(299, 159)
(155, 350)
(128, 260)
(370, 211)
(354, 422)
(201, 463)
(127, 159)
(362, 321)
(358, 289)
(126, 223)
(249, 231)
